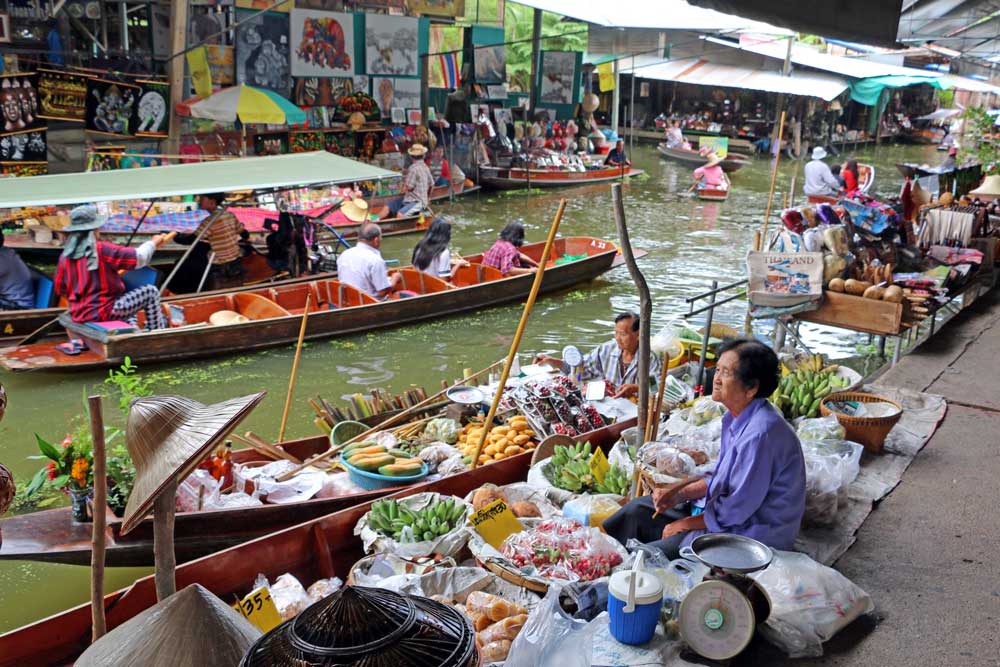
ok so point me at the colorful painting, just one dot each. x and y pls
(266, 4)
(413, 117)
(111, 107)
(436, 7)
(222, 64)
(389, 93)
(62, 96)
(391, 45)
(153, 119)
(558, 77)
(18, 169)
(262, 51)
(490, 64)
(322, 43)
(270, 144)
(320, 91)
(305, 142)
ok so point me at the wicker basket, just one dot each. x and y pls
(869, 431)
(512, 576)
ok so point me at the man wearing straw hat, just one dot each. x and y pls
(362, 266)
(417, 184)
(87, 274)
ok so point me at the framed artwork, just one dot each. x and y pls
(398, 115)
(270, 144)
(5, 37)
(558, 77)
(436, 7)
(111, 107)
(475, 109)
(497, 91)
(222, 64)
(262, 51)
(152, 119)
(543, 115)
(391, 45)
(431, 114)
(504, 117)
(413, 117)
(62, 96)
(316, 91)
(322, 43)
(361, 82)
(389, 93)
(266, 4)
(490, 64)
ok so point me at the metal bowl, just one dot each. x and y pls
(731, 553)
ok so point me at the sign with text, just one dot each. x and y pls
(495, 523)
(718, 145)
(259, 609)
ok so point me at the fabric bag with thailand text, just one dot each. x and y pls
(782, 283)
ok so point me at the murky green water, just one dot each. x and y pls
(690, 243)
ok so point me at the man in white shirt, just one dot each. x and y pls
(363, 267)
(819, 179)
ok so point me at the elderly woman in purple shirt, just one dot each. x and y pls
(758, 486)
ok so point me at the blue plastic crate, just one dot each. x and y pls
(371, 481)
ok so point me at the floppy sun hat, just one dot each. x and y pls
(355, 209)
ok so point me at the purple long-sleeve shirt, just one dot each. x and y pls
(758, 488)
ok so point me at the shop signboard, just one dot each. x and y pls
(717, 145)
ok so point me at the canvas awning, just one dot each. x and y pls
(702, 72)
(253, 173)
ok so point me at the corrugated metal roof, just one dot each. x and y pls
(703, 72)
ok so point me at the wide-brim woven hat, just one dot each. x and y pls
(192, 627)
(417, 150)
(168, 436)
(221, 318)
(355, 209)
(713, 160)
(84, 218)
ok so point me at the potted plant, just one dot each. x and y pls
(70, 469)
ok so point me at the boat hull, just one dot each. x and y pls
(514, 179)
(715, 194)
(732, 162)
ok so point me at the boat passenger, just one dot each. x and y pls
(709, 175)
(617, 157)
(851, 177)
(949, 162)
(758, 486)
(820, 181)
(87, 274)
(616, 361)
(431, 254)
(440, 169)
(675, 138)
(362, 266)
(224, 238)
(835, 170)
(417, 184)
(16, 289)
(505, 254)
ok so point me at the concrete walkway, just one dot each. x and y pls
(929, 555)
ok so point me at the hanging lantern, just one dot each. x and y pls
(7, 488)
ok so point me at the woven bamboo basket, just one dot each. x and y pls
(510, 575)
(869, 431)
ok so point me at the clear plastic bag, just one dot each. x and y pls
(195, 491)
(704, 410)
(810, 603)
(550, 637)
(441, 430)
(822, 490)
(821, 428)
(324, 588)
(288, 594)
(338, 484)
(563, 549)
(452, 465)
(435, 455)
(591, 510)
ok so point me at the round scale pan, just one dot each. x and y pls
(465, 395)
(732, 553)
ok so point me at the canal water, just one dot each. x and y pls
(690, 243)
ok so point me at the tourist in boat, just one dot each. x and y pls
(440, 169)
(709, 175)
(675, 138)
(615, 361)
(87, 274)
(820, 181)
(505, 254)
(362, 266)
(758, 486)
(17, 292)
(850, 174)
(431, 254)
(617, 157)
(223, 236)
(948, 164)
(835, 170)
(417, 184)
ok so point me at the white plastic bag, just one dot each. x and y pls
(821, 428)
(288, 594)
(810, 603)
(550, 638)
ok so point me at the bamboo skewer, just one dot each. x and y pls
(382, 426)
(525, 314)
(99, 535)
(295, 368)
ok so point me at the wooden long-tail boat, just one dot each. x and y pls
(274, 313)
(319, 548)
(866, 176)
(730, 163)
(715, 193)
(926, 135)
(513, 178)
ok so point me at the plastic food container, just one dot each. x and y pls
(634, 601)
(371, 481)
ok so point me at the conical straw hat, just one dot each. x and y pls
(168, 436)
(188, 629)
(990, 187)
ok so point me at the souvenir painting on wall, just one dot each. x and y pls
(305, 142)
(153, 119)
(389, 93)
(313, 91)
(111, 106)
(22, 130)
(558, 77)
(266, 4)
(322, 43)
(270, 144)
(222, 64)
(436, 7)
(24, 168)
(490, 58)
(391, 45)
(62, 96)
(262, 51)
(356, 102)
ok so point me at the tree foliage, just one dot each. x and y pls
(557, 35)
(981, 132)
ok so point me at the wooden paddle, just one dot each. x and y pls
(295, 368)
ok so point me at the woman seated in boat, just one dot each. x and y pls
(505, 254)
(17, 292)
(431, 254)
(709, 175)
(440, 169)
(851, 175)
(674, 136)
(758, 486)
(615, 361)
(87, 274)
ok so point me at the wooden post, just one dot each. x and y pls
(99, 536)
(425, 101)
(164, 558)
(175, 70)
(295, 368)
(645, 306)
(536, 42)
(525, 314)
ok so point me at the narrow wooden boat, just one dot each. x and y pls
(730, 163)
(497, 178)
(867, 176)
(926, 136)
(274, 313)
(318, 548)
(720, 193)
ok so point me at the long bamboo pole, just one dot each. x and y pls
(385, 424)
(98, 538)
(295, 369)
(774, 178)
(525, 314)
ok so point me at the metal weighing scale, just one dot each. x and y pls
(718, 617)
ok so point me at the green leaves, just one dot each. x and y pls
(47, 449)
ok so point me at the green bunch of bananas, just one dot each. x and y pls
(562, 455)
(569, 468)
(800, 392)
(439, 518)
(616, 481)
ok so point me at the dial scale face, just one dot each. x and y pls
(716, 620)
